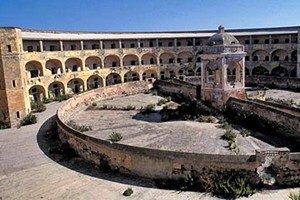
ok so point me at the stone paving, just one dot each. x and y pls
(26, 172)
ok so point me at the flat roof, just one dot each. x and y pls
(32, 34)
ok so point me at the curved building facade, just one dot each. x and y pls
(35, 65)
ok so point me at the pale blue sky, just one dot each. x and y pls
(148, 15)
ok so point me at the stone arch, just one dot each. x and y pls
(73, 64)
(166, 58)
(212, 73)
(75, 86)
(56, 89)
(34, 69)
(279, 55)
(149, 74)
(234, 72)
(131, 76)
(279, 71)
(93, 63)
(130, 60)
(37, 93)
(260, 70)
(54, 66)
(294, 55)
(149, 59)
(260, 55)
(112, 79)
(112, 61)
(94, 81)
(185, 57)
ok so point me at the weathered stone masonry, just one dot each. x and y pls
(44, 64)
(154, 163)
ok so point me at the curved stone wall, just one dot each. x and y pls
(153, 163)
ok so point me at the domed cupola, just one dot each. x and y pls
(223, 69)
(222, 38)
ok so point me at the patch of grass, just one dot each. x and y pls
(81, 128)
(28, 119)
(115, 137)
(294, 196)
(128, 192)
(37, 106)
(150, 108)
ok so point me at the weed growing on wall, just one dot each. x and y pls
(115, 137)
(81, 128)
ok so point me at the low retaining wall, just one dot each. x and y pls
(176, 87)
(161, 164)
(280, 118)
(274, 82)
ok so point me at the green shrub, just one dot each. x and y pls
(49, 100)
(150, 108)
(229, 135)
(63, 97)
(294, 196)
(81, 128)
(232, 187)
(3, 125)
(169, 98)
(28, 119)
(94, 104)
(128, 192)
(115, 137)
(226, 126)
(38, 106)
(245, 132)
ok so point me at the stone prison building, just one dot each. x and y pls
(37, 64)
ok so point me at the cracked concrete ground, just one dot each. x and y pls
(148, 130)
(26, 172)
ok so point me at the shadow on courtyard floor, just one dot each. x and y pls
(49, 143)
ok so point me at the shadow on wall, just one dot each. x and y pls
(49, 143)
